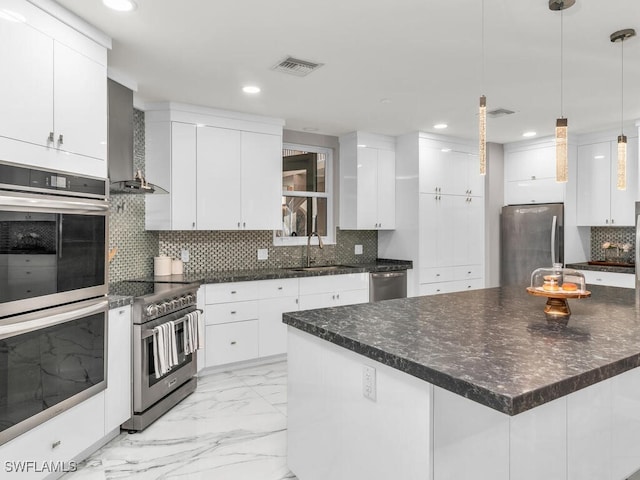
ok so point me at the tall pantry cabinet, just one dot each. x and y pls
(439, 214)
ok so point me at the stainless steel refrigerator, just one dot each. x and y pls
(531, 236)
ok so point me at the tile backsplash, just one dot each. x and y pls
(210, 250)
(619, 235)
(239, 250)
(136, 246)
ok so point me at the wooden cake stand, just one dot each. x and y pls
(557, 308)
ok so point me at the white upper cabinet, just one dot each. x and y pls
(367, 182)
(222, 172)
(449, 168)
(53, 93)
(239, 180)
(530, 173)
(599, 202)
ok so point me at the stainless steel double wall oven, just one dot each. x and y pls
(53, 286)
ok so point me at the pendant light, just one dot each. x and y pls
(562, 160)
(482, 113)
(621, 36)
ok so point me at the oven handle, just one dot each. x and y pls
(24, 202)
(14, 329)
(149, 332)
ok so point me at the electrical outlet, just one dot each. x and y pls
(358, 250)
(263, 253)
(184, 255)
(369, 382)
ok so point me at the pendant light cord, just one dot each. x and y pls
(622, 87)
(482, 47)
(561, 63)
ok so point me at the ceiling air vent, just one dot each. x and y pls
(295, 66)
(499, 112)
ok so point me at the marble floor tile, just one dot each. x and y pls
(233, 427)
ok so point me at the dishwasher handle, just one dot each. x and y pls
(387, 274)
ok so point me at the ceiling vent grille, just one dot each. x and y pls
(499, 112)
(295, 66)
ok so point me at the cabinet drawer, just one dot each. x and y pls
(31, 260)
(334, 283)
(230, 292)
(611, 279)
(450, 287)
(62, 438)
(285, 287)
(27, 274)
(432, 275)
(231, 342)
(231, 312)
(466, 272)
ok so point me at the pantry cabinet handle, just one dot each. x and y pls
(55, 444)
(60, 140)
(50, 139)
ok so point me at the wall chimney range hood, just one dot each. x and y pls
(123, 178)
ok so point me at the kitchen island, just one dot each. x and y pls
(471, 385)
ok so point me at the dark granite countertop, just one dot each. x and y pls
(381, 265)
(117, 301)
(601, 268)
(493, 346)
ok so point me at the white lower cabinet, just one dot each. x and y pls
(118, 396)
(231, 342)
(244, 319)
(62, 439)
(609, 279)
(334, 290)
(276, 297)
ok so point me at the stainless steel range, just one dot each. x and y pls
(156, 304)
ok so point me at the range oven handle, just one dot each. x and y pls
(25, 202)
(39, 320)
(149, 332)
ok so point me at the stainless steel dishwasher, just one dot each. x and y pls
(387, 285)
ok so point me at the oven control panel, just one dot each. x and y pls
(167, 305)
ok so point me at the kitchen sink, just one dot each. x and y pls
(321, 268)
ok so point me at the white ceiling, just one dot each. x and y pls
(424, 56)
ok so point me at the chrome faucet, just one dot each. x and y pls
(320, 245)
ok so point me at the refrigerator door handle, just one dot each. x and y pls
(554, 226)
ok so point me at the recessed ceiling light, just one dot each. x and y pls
(529, 134)
(310, 129)
(445, 150)
(598, 157)
(440, 126)
(385, 100)
(121, 5)
(251, 89)
(362, 145)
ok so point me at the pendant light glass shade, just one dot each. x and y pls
(621, 183)
(562, 160)
(622, 163)
(482, 124)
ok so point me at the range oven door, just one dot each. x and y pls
(147, 388)
(53, 250)
(50, 361)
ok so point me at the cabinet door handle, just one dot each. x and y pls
(233, 312)
(60, 140)
(244, 224)
(238, 224)
(50, 138)
(612, 221)
(233, 342)
(193, 224)
(279, 288)
(233, 292)
(55, 444)
(606, 221)
(338, 296)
